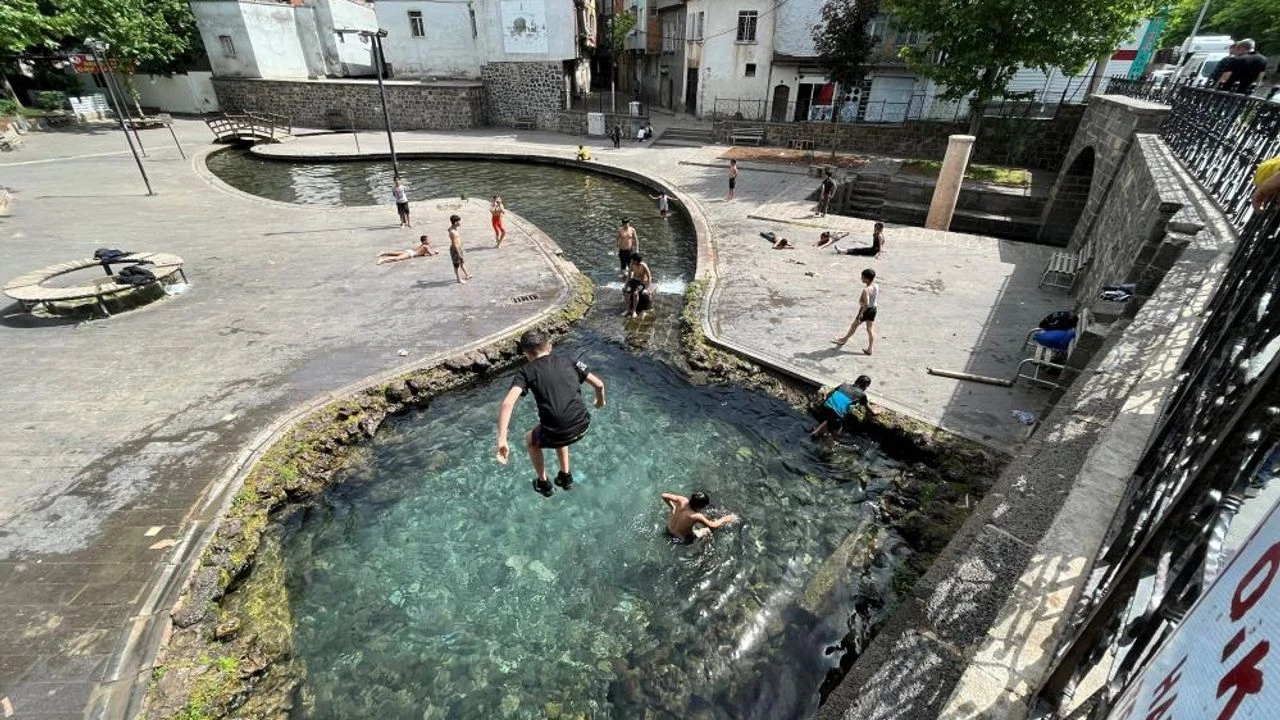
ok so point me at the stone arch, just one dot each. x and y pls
(1069, 198)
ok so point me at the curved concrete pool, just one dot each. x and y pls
(430, 582)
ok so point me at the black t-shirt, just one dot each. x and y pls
(555, 381)
(828, 186)
(1245, 71)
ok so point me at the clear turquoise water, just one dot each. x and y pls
(433, 582)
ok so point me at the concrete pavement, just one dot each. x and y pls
(948, 300)
(118, 430)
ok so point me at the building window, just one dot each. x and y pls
(747, 26)
(878, 28)
(672, 33)
(228, 47)
(696, 35)
(751, 70)
(417, 27)
(910, 38)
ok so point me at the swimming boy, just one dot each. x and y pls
(868, 302)
(423, 250)
(496, 210)
(840, 402)
(455, 250)
(562, 416)
(686, 516)
(628, 243)
(638, 281)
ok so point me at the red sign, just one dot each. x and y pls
(1218, 663)
(82, 63)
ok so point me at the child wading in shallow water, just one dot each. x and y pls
(563, 419)
(686, 516)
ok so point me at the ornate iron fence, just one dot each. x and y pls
(916, 106)
(1219, 437)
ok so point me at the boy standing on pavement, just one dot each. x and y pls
(827, 191)
(455, 250)
(563, 419)
(401, 195)
(868, 302)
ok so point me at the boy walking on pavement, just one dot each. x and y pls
(828, 191)
(455, 250)
(868, 302)
(563, 419)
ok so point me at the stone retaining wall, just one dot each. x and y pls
(524, 91)
(413, 106)
(1022, 143)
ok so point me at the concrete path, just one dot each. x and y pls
(114, 430)
(948, 300)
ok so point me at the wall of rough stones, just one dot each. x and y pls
(1109, 126)
(448, 105)
(524, 91)
(1032, 143)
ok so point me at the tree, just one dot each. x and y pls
(842, 42)
(1256, 19)
(974, 47)
(22, 26)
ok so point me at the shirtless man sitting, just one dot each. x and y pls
(423, 250)
(686, 516)
(639, 279)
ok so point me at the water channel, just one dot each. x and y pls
(431, 582)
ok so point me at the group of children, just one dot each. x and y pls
(497, 211)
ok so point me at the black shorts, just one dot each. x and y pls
(830, 417)
(732, 182)
(552, 439)
(868, 315)
(456, 256)
(635, 286)
(402, 208)
(624, 259)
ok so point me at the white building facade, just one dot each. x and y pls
(283, 40)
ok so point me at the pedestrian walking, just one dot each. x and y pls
(868, 305)
(733, 178)
(617, 135)
(825, 193)
(401, 195)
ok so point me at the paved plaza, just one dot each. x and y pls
(117, 430)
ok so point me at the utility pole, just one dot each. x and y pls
(379, 63)
(94, 47)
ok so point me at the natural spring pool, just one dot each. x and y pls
(432, 582)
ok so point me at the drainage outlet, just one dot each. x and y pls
(524, 299)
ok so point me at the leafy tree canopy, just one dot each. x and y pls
(144, 32)
(975, 46)
(841, 39)
(1257, 19)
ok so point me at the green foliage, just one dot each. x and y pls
(994, 174)
(1256, 19)
(148, 33)
(51, 100)
(8, 107)
(841, 39)
(24, 25)
(623, 24)
(975, 46)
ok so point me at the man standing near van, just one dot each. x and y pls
(1240, 72)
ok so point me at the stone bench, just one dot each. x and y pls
(525, 123)
(30, 290)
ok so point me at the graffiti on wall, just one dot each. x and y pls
(524, 26)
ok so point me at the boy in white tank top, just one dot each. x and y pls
(868, 303)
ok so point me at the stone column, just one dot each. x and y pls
(947, 191)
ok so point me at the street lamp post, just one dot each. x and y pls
(96, 46)
(380, 67)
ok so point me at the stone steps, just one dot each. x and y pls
(685, 137)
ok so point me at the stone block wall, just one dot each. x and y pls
(574, 122)
(1024, 143)
(519, 91)
(449, 105)
(1110, 124)
(1131, 240)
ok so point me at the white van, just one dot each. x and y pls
(1198, 68)
(1205, 44)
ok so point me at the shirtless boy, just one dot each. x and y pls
(497, 209)
(686, 516)
(563, 419)
(628, 243)
(868, 305)
(423, 250)
(638, 282)
(455, 250)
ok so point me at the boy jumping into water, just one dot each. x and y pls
(686, 516)
(562, 416)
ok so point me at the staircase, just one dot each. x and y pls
(866, 196)
(685, 137)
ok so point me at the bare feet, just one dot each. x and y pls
(839, 343)
(866, 351)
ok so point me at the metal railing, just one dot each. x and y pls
(917, 106)
(1161, 91)
(1218, 436)
(619, 102)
